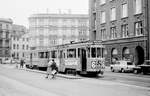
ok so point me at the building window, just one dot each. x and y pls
(124, 10)
(14, 46)
(102, 2)
(27, 39)
(113, 14)
(17, 38)
(125, 32)
(18, 55)
(17, 46)
(138, 6)
(0, 26)
(103, 32)
(138, 28)
(103, 17)
(22, 54)
(113, 32)
(27, 47)
(14, 38)
(22, 46)
(7, 26)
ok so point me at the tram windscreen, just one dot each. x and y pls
(98, 52)
(53, 54)
(71, 53)
(41, 54)
(88, 51)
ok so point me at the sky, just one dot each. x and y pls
(20, 10)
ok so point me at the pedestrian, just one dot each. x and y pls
(52, 69)
(21, 63)
(48, 69)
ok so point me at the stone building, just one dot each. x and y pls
(54, 29)
(20, 42)
(123, 26)
(5, 30)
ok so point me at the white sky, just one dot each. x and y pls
(20, 10)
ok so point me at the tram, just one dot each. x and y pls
(82, 57)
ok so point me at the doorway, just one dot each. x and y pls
(139, 55)
(83, 59)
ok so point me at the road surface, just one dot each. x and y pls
(15, 82)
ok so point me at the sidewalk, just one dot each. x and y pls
(13, 66)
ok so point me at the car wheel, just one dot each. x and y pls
(135, 71)
(112, 70)
(122, 70)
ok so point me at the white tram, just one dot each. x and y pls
(82, 57)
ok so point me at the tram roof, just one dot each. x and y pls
(80, 44)
(88, 43)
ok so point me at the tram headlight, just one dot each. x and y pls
(93, 64)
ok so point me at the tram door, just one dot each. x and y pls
(60, 57)
(31, 56)
(83, 59)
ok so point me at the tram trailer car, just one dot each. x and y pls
(38, 59)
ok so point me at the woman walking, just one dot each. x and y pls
(51, 69)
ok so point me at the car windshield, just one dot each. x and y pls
(129, 63)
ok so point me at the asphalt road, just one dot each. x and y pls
(14, 82)
(127, 78)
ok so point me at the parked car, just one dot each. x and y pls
(143, 68)
(122, 66)
(10, 61)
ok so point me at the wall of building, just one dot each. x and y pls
(20, 42)
(133, 42)
(55, 29)
(5, 30)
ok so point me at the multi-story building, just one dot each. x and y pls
(20, 45)
(55, 29)
(5, 30)
(123, 26)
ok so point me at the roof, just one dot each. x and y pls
(59, 16)
(7, 20)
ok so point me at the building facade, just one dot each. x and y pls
(5, 30)
(123, 26)
(54, 29)
(20, 42)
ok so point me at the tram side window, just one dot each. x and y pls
(53, 54)
(46, 54)
(41, 54)
(93, 52)
(98, 52)
(71, 53)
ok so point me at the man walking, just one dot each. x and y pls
(21, 63)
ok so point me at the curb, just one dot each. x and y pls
(58, 75)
